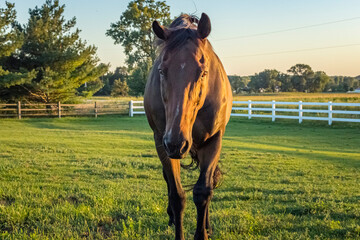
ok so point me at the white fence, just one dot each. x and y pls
(287, 110)
(297, 109)
(134, 106)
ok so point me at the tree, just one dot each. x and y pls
(267, 79)
(286, 84)
(10, 40)
(347, 84)
(90, 88)
(238, 83)
(301, 73)
(133, 32)
(109, 78)
(137, 80)
(63, 61)
(120, 88)
(318, 82)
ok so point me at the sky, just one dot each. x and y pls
(248, 35)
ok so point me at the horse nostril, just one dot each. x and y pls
(184, 147)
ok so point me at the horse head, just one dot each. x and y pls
(184, 73)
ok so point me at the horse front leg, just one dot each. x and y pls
(169, 210)
(177, 199)
(203, 190)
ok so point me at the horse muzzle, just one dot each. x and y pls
(176, 149)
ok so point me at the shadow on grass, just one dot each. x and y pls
(103, 123)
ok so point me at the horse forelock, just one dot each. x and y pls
(180, 30)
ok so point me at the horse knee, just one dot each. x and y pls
(201, 196)
(177, 200)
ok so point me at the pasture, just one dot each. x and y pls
(100, 178)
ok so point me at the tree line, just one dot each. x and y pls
(299, 78)
(133, 32)
(45, 60)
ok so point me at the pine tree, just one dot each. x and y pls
(120, 88)
(10, 41)
(63, 61)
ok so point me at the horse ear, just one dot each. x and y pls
(160, 31)
(204, 26)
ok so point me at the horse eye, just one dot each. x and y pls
(161, 72)
(204, 74)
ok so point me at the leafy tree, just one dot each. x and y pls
(267, 79)
(137, 80)
(120, 88)
(61, 59)
(286, 84)
(109, 78)
(133, 32)
(342, 84)
(238, 83)
(10, 41)
(318, 82)
(301, 73)
(347, 84)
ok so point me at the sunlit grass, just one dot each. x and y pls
(100, 178)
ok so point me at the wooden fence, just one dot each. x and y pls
(323, 111)
(59, 110)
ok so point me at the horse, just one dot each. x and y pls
(188, 101)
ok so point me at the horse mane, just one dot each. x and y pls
(181, 29)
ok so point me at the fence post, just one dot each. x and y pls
(95, 110)
(330, 112)
(131, 113)
(59, 109)
(19, 109)
(300, 111)
(273, 110)
(249, 110)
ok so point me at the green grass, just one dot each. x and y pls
(100, 178)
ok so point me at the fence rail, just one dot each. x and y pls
(59, 110)
(322, 111)
(296, 110)
(133, 105)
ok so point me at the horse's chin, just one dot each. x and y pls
(177, 156)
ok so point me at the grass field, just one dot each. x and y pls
(100, 178)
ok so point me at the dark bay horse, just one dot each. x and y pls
(188, 102)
